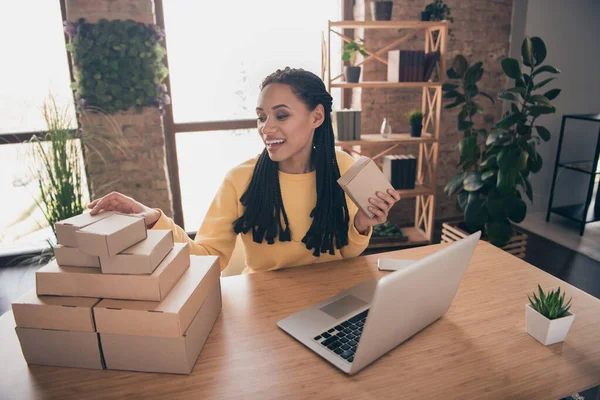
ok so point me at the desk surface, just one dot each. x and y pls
(479, 349)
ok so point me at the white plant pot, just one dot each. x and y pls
(547, 331)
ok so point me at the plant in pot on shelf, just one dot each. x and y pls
(548, 318)
(381, 10)
(495, 167)
(351, 50)
(415, 119)
(437, 10)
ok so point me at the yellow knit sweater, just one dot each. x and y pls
(217, 237)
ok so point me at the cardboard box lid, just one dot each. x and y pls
(146, 246)
(168, 318)
(162, 354)
(54, 312)
(354, 170)
(65, 229)
(141, 258)
(111, 235)
(53, 279)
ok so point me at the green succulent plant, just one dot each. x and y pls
(495, 166)
(551, 305)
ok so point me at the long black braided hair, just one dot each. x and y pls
(264, 212)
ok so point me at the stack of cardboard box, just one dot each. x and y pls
(119, 297)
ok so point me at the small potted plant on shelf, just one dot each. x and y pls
(351, 50)
(381, 10)
(437, 10)
(548, 317)
(495, 167)
(415, 119)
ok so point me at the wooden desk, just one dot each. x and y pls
(479, 349)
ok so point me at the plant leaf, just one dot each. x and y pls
(516, 209)
(508, 121)
(475, 212)
(449, 86)
(451, 73)
(462, 200)
(460, 65)
(538, 98)
(511, 68)
(545, 68)
(472, 182)
(508, 96)
(526, 52)
(543, 83)
(539, 50)
(488, 96)
(454, 184)
(552, 94)
(543, 132)
(499, 232)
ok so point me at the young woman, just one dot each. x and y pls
(286, 203)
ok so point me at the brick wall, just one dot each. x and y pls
(481, 32)
(124, 151)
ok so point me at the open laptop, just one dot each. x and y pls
(360, 324)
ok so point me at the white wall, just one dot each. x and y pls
(571, 32)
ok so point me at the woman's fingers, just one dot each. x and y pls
(383, 206)
(381, 217)
(395, 195)
(106, 201)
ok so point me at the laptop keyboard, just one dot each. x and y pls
(343, 338)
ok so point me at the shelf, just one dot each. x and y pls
(372, 140)
(416, 237)
(575, 212)
(384, 84)
(581, 166)
(419, 190)
(389, 24)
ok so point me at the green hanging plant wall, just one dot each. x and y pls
(117, 64)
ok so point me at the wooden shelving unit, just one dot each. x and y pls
(436, 37)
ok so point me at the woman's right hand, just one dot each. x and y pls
(116, 201)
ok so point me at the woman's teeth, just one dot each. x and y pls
(272, 142)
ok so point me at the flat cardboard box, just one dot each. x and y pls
(362, 181)
(73, 257)
(111, 235)
(142, 257)
(56, 280)
(60, 348)
(168, 318)
(54, 312)
(163, 354)
(65, 229)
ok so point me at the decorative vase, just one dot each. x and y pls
(386, 129)
(352, 74)
(381, 10)
(425, 15)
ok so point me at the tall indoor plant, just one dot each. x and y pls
(495, 167)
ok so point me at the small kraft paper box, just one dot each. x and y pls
(56, 280)
(362, 181)
(57, 331)
(65, 229)
(73, 257)
(142, 257)
(164, 337)
(111, 235)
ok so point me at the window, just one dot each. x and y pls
(219, 53)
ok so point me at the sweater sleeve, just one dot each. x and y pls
(216, 235)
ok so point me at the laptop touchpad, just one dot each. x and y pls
(343, 306)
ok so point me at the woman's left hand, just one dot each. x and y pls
(380, 206)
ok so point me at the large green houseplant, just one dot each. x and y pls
(495, 167)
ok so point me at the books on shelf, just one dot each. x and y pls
(346, 124)
(411, 65)
(400, 170)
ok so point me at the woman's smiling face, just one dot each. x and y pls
(285, 124)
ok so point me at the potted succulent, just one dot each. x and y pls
(351, 50)
(548, 317)
(415, 119)
(495, 166)
(381, 10)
